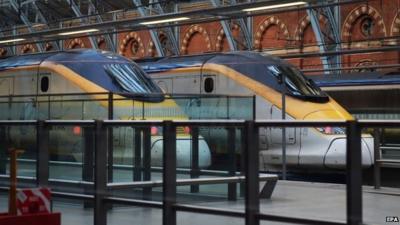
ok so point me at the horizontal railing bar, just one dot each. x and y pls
(132, 122)
(379, 123)
(69, 122)
(18, 122)
(18, 177)
(208, 210)
(71, 195)
(296, 220)
(134, 202)
(167, 96)
(183, 182)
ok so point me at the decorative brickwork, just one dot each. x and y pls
(28, 48)
(132, 45)
(356, 14)
(265, 25)
(190, 33)
(76, 43)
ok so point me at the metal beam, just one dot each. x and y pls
(153, 32)
(108, 39)
(78, 13)
(329, 38)
(43, 20)
(172, 38)
(227, 29)
(24, 19)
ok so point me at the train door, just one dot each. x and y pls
(24, 107)
(185, 84)
(5, 90)
(292, 144)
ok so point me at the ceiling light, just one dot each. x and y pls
(11, 40)
(274, 6)
(165, 21)
(78, 32)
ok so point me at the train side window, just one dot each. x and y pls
(209, 85)
(44, 84)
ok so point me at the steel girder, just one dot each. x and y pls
(112, 45)
(78, 13)
(24, 19)
(154, 34)
(329, 38)
(233, 45)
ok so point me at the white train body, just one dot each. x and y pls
(243, 73)
(48, 86)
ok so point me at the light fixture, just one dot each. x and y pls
(274, 6)
(78, 32)
(12, 40)
(165, 21)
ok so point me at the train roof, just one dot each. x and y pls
(175, 62)
(356, 79)
(59, 56)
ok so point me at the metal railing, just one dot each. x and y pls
(169, 204)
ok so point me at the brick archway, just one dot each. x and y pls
(304, 23)
(395, 28)
(221, 35)
(152, 48)
(128, 39)
(28, 48)
(264, 25)
(363, 10)
(190, 33)
(76, 43)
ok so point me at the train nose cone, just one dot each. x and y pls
(335, 157)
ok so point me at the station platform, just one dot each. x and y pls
(290, 198)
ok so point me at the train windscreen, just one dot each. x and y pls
(130, 78)
(295, 82)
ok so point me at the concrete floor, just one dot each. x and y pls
(290, 198)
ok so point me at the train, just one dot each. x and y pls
(266, 77)
(369, 95)
(74, 85)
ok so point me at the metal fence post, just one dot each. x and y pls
(252, 201)
(100, 174)
(232, 162)
(137, 163)
(354, 173)
(377, 157)
(147, 161)
(169, 173)
(42, 148)
(88, 154)
(3, 149)
(194, 172)
(110, 139)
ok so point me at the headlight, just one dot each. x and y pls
(331, 130)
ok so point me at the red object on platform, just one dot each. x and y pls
(33, 200)
(31, 219)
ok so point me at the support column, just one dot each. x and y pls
(354, 174)
(169, 173)
(100, 174)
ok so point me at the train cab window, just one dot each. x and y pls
(209, 85)
(130, 78)
(44, 84)
(295, 81)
